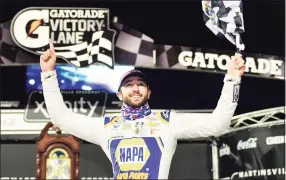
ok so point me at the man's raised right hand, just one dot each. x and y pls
(48, 59)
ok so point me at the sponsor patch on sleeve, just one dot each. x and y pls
(236, 89)
(110, 120)
(164, 116)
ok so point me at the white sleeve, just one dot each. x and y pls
(81, 126)
(205, 125)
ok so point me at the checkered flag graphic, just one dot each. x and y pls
(225, 19)
(85, 54)
(133, 47)
(130, 47)
(11, 53)
(167, 56)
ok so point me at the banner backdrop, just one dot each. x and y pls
(190, 161)
(190, 58)
(87, 36)
(253, 154)
(130, 47)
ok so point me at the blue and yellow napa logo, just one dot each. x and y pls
(132, 154)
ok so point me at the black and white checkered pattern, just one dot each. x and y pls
(130, 48)
(225, 19)
(167, 56)
(133, 47)
(10, 53)
(85, 54)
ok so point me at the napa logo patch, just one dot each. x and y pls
(131, 154)
(136, 158)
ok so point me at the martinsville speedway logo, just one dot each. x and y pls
(258, 173)
(81, 36)
(219, 62)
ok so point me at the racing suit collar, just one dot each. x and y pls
(130, 113)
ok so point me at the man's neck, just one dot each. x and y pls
(132, 113)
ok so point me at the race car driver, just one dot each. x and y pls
(140, 143)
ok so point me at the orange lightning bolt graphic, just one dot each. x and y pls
(34, 25)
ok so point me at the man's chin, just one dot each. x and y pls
(135, 104)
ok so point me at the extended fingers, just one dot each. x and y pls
(52, 48)
(51, 45)
(46, 55)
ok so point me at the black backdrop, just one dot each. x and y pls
(254, 153)
(191, 160)
(181, 24)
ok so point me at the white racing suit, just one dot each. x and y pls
(142, 148)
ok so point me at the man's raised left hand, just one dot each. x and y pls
(236, 66)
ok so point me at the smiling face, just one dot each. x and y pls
(134, 92)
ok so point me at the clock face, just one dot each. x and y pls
(58, 165)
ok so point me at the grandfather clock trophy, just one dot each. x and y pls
(57, 155)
